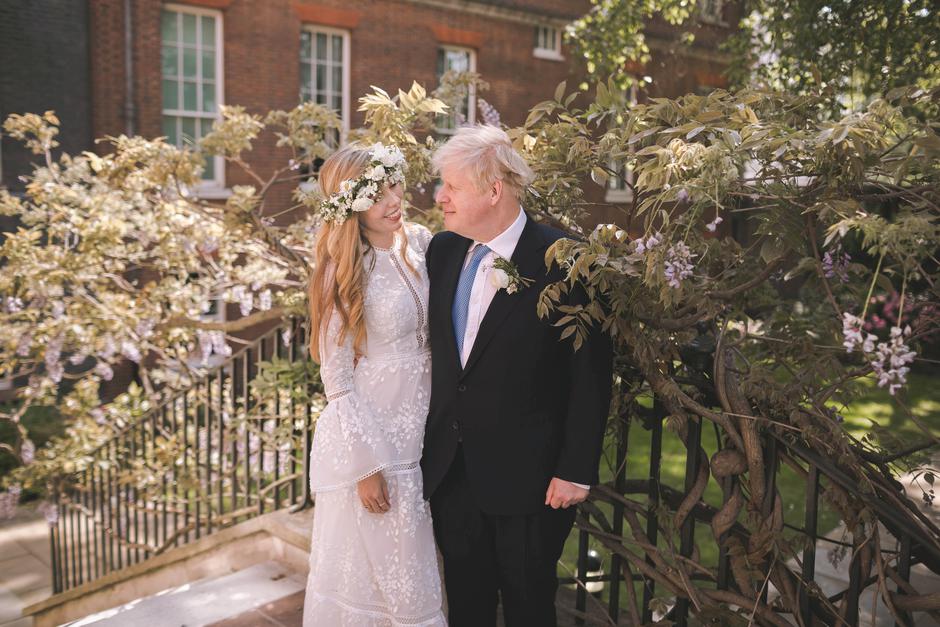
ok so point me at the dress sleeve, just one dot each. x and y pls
(349, 443)
(419, 235)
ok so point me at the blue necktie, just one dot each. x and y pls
(462, 297)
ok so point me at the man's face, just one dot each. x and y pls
(466, 209)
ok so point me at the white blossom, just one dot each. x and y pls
(362, 204)
(246, 303)
(851, 332)
(12, 304)
(890, 360)
(24, 343)
(130, 350)
(27, 451)
(104, 370)
(711, 226)
(264, 300)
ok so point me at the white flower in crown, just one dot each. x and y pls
(362, 204)
(356, 195)
(505, 276)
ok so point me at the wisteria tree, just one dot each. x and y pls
(764, 334)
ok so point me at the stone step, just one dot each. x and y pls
(206, 601)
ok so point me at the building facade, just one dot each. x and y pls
(158, 68)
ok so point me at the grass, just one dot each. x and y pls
(872, 413)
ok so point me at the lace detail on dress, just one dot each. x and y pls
(419, 305)
(335, 395)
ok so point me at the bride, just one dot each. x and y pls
(373, 560)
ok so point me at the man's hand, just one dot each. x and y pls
(564, 494)
(373, 492)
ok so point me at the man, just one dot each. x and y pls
(517, 416)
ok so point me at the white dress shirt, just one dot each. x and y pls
(483, 289)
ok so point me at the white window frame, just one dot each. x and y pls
(713, 16)
(618, 195)
(471, 96)
(214, 188)
(313, 29)
(553, 53)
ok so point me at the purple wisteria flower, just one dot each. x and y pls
(836, 264)
(711, 226)
(488, 113)
(678, 264)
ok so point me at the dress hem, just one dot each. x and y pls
(433, 618)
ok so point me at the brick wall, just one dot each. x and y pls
(44, 65)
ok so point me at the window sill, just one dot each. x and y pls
(547, 54)
(212, 193)
(618, 196)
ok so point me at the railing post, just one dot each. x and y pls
(687, 532)
(904, 572)
(620, 483)
(809, 553)
(652, 526)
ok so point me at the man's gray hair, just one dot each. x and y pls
(485, 152)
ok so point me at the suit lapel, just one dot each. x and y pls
(528, 258)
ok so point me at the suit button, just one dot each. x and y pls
(456, 425)
(461, 388)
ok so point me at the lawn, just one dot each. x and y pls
(871, 412)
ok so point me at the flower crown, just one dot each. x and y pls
(385, 167)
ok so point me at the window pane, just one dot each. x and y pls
(208, 32)
(170, 95)
(321, 46)
(441, 62)
(321, 78)
(189, 62)
(205, 126)
(169, 56)
(337, 103)
(321, 98)
(337, 49)
(169, 129)
(189, 28)
(168, 27)
(189, 96)
(209, 173)
(208, 97)
(305, 71)
(189, 132)
(337, 85)
(208, 64)
(305, 45)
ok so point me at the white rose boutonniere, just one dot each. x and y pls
(505, 276)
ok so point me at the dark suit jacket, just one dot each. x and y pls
(526, 406)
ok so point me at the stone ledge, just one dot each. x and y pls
(280, 535)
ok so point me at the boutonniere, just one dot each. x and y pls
(505, 276)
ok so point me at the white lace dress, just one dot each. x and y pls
(376, 570)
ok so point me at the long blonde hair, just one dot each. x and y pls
(338, 277)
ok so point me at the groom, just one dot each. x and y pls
(517, 416)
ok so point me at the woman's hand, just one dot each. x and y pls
(373, 492)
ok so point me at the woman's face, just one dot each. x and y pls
(385, 216)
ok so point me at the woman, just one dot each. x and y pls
(373, 560)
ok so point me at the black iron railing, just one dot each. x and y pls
(225, 471)
(225, 467)
(601, 521)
